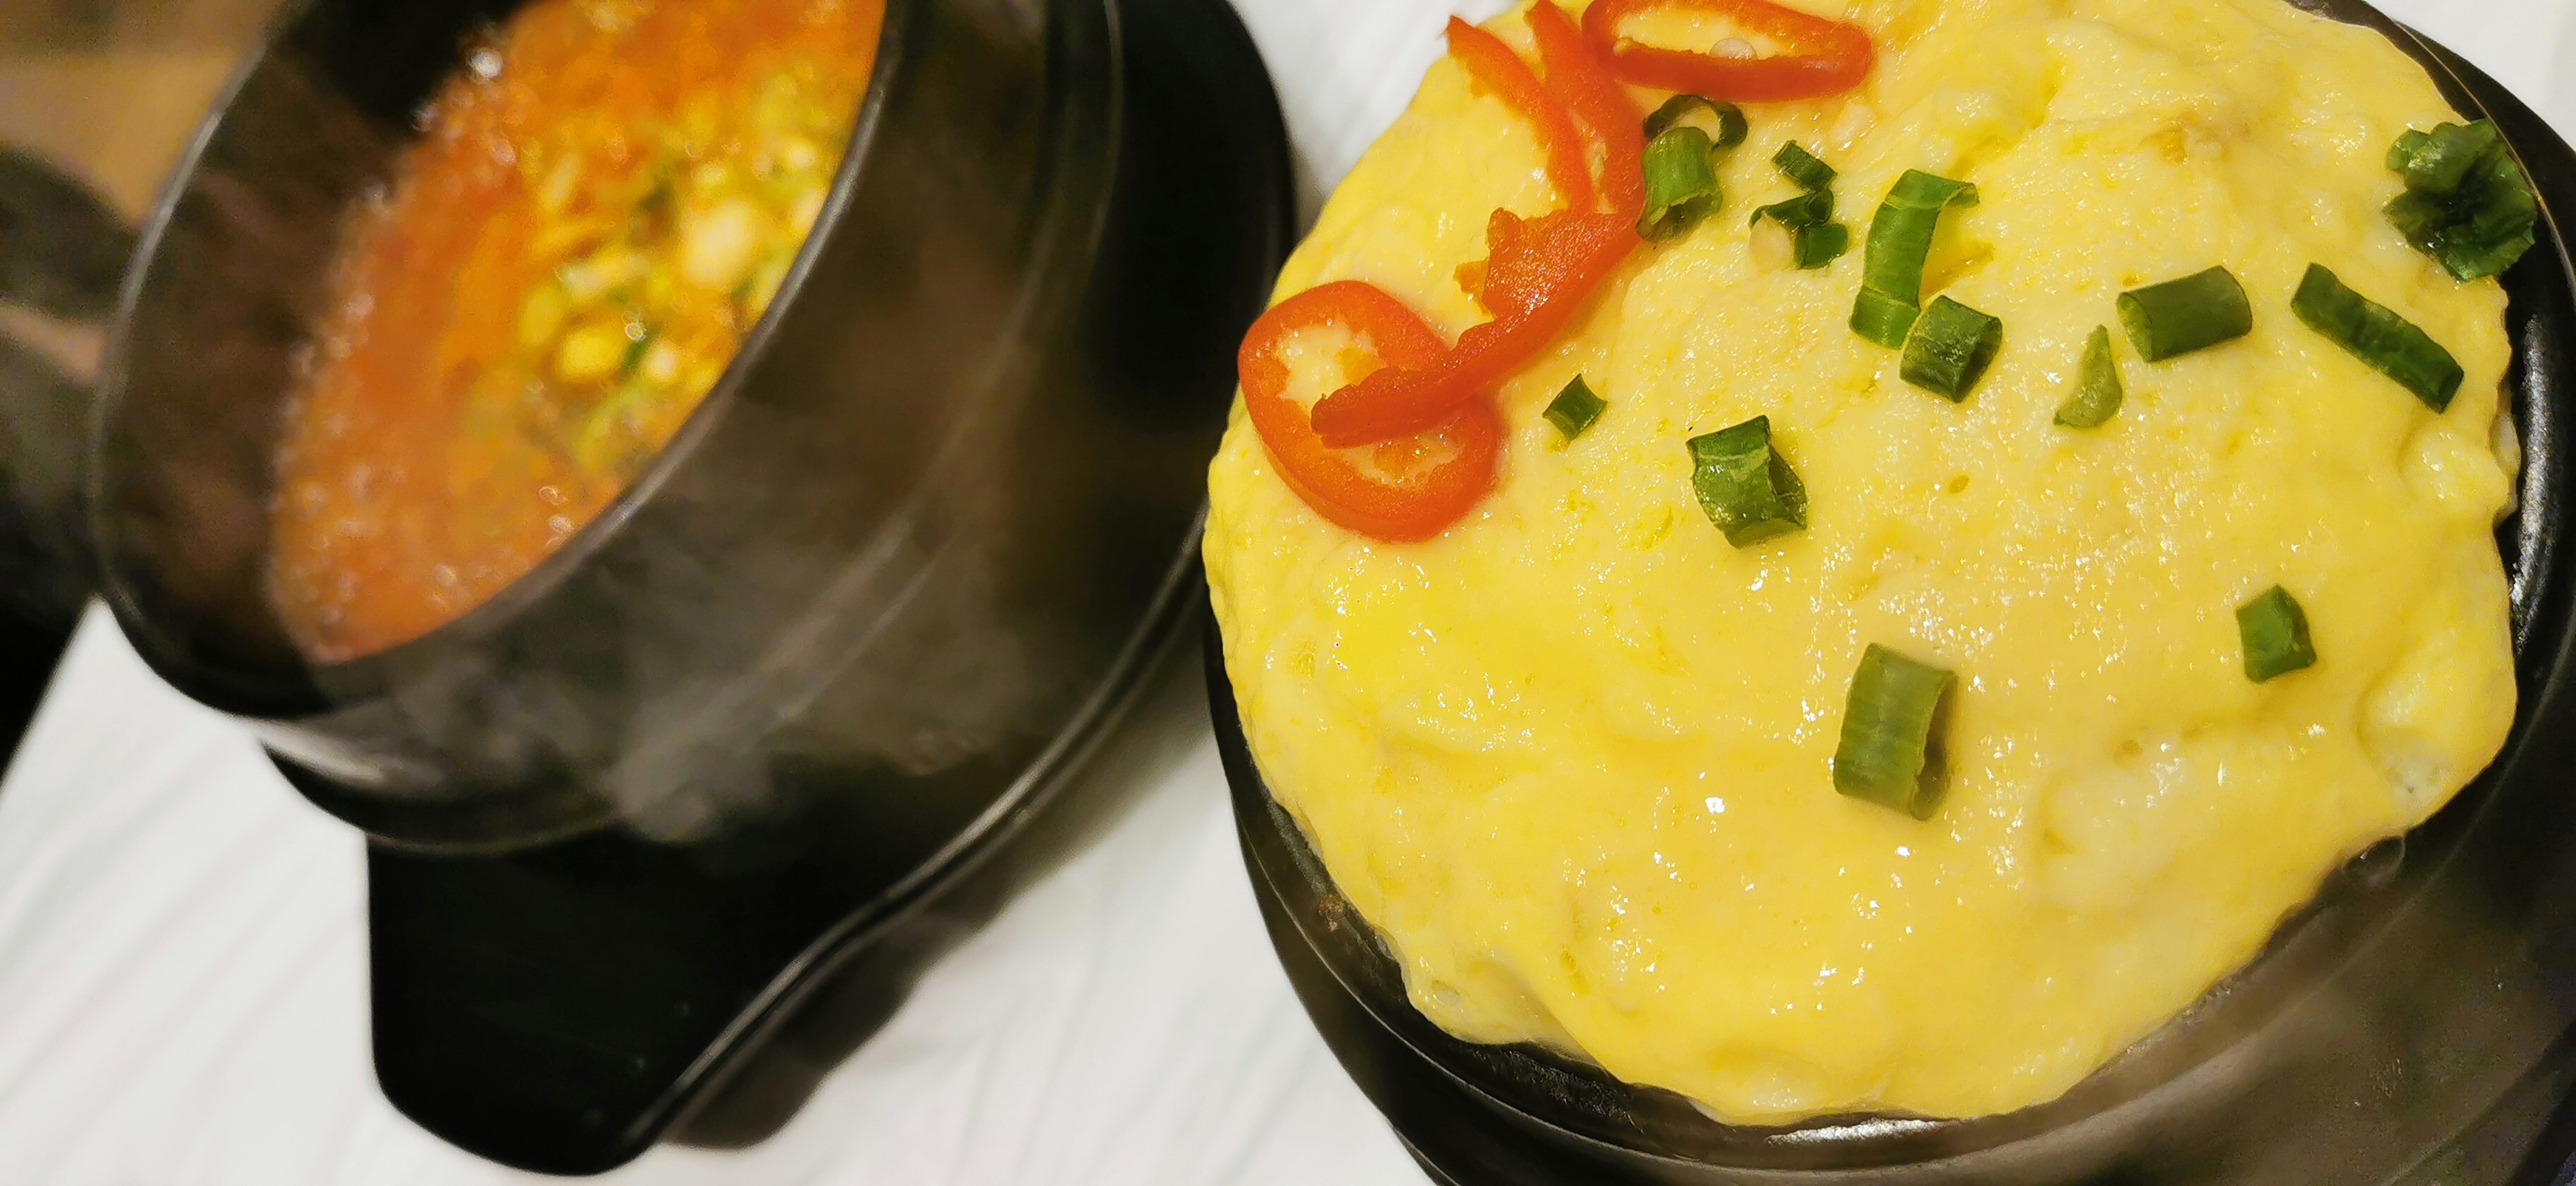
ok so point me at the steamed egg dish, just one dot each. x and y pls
(2060, 628)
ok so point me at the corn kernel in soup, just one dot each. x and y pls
(603, 203)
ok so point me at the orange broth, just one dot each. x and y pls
(600, 207)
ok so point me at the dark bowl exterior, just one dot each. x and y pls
(838, 664)
(62, 253)
(2411, 1022)
(564, 1007)
(917, 527)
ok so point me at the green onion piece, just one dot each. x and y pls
(1802, 166)
(635, 350)
(604, 442)
(1922, 191)
(2503, 230)
(1891, 730)
(2179, 316)
(2097, 393)
(1575, 408)
(1681, 183)
(1950, 349)
(2467, 203)
(1722, 123)
(2375, 334)
(2419, 219)
(1815, 239)
(2402, 153)
(1881, 318)
(2502, 223)
(2438, 161)
(1807, 209)
(1900, 239)
(2275, 631)
(1815, 246)
(1748, 490)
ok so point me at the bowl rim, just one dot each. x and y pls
(307, 688)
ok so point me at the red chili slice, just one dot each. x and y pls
(1538, 272)
(1496, 68)
(1823, 57)
(1579, 80)
(1437, 475)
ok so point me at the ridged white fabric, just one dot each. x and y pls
(182, 939)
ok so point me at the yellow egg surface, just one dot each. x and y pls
(1573, 757)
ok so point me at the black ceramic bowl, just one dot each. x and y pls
(62, 253)
(778, 726)
(2407, 1026)
(919, 526)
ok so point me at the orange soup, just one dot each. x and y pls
(601, 205)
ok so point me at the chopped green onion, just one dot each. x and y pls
(1807, 209)
(1802, 166)
(1815, 246)
(2438, 161)
(1950, 349)
(1900, 239)
(2275, 632)
(2179, 316)
(2501, 223)
(1918, 190)
(1748, 490)
(1722, 123)
(2421, 219)
(1815, 239)
(2475, 245)
(605, 442)
(1891, 725)
(2505, 226)
(2097, 392)
(2409, 142)
(2467, 203)
(652, 212)
(1882, 318)
(2375, 334)
(2469, 246)
(1575, 408)
(1803, 247)
(635, 348)
(1681, 183)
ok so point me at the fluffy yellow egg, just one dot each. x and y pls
(1572, 758)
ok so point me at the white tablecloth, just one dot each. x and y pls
(182, 940)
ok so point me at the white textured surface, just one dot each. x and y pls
(182, 944)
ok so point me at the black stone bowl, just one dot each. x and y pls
(921, 526)
(669, 826)
(2408, 1026)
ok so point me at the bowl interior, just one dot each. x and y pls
(216, 323)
